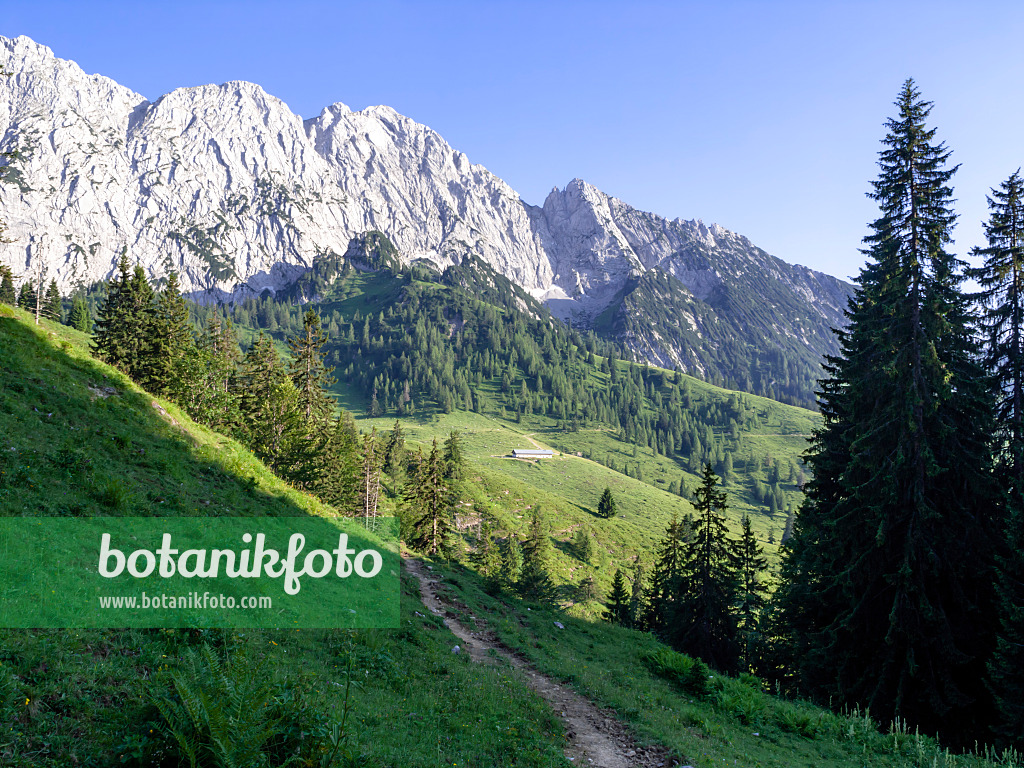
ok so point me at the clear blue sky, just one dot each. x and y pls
(764, 117)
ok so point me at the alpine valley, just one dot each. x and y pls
(227, 187)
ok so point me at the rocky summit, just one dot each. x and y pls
(228, 187)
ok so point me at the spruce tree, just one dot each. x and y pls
(606, 505)
(636, 595)
(394, 452)
(116, 324)
(27, 297)
(666, 579)
(583, 545)
(53, 307)
(79, 317)
(454, 460)
(487, 556)
(751, 567)
(535, 581)
(432, 507)
(703, 622)
(212, 376)
(311, 376)
(1001, 277)
(142, 338)
(618, 611)
(888, 578)
(512, 561)
(268, 403)
(330, 461)
(174, 343)
(7, 293)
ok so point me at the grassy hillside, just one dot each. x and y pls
(86, 441)
(78, 438)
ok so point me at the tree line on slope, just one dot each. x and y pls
(279, 407)
(433, 347)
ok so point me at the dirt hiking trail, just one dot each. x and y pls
(595, 738)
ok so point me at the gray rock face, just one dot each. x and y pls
(227, 186)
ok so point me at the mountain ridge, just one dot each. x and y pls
(226, 186)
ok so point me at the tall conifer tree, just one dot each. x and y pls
(309, 373)
(7, 293)
(27, 296)
(173, 343)
(666, 579)
(703, 621)
(751, 567)
(1001, 277)
(887, 592)
(115, 325)
(79, 317)
(535, 582)
(53, 307)
(268, 403)
(432, 506)
(618, 611)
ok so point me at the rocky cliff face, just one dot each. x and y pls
(227, 186)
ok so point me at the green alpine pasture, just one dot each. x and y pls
(79, 439)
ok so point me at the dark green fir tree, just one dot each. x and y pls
(268, 403)
(7, 293)
(310, 374)
(394, 454)
(454, 457)
(888, 579)
(53, 307)
(606, 504)
(535, 582)
(618, 610)
(511, 561)
(118, 325)
(431, 505)
(27, 297)
(583, 545)
(752, 569)
(79, 317)
(1001, 277)
(173, 345)
(487, 556)
(666, 578)
(703, 622)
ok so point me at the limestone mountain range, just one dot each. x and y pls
(228, 187)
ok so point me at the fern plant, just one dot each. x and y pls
(225, 713)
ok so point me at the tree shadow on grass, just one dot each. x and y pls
(78, 438)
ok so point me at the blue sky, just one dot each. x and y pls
(764, 117)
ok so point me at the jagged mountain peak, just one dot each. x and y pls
(227, 186)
